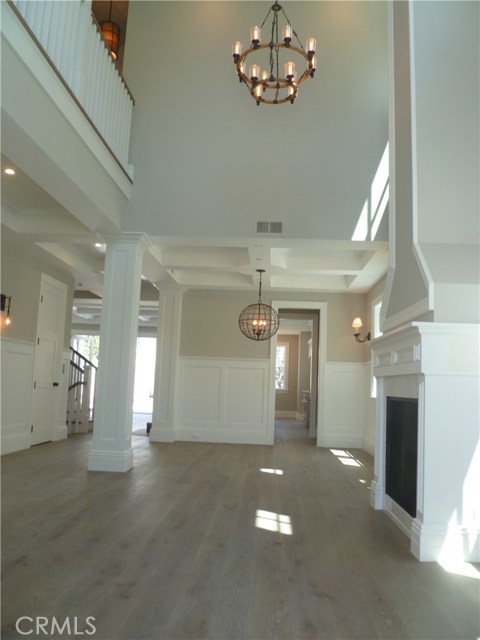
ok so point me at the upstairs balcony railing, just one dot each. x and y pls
(69, 36)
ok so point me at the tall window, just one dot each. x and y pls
(281, 367)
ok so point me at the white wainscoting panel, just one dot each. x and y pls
(223, 400)
(346, 392)
(17, 380)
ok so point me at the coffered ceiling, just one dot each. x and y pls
(33, 216)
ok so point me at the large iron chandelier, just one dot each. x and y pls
(278, 83)
(259, 321)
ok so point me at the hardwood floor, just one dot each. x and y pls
(217, 541)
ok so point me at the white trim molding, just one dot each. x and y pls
(345, 421)
(223, 400)
(17, 382)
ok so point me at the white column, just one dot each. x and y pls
(168, 342)
(112, 444)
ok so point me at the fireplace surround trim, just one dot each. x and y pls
(437, 363)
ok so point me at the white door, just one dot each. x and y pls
(48, 358)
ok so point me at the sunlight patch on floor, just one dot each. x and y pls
(346, 458)
(460, 568)
(271, 521)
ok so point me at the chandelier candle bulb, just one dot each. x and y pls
(237, 48)
(311, 46)
(254, 72)
(255, 35)
(290, 70)
(287, 34)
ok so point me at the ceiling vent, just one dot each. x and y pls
(270, 227)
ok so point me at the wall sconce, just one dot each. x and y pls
(6, 320)
(357, 324)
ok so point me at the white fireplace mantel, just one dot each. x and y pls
(438, 363)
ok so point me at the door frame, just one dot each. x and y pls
(322, 359)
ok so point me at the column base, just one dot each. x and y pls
(110, 461)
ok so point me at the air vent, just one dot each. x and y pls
(269, 227)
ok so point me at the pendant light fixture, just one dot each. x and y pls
(111, 34)
(259, 321)
(279, 80)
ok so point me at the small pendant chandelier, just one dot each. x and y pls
(259, 321)
(111, 34)
(278, 83)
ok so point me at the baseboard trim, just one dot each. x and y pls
(450, 544)
(159, 434)
(14, 442)
(401, 518)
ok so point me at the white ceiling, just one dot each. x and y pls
(291, 264)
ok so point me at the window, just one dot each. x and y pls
(281, 367)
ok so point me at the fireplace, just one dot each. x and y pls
(426, 442)
(401, 453)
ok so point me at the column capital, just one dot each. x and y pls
(169, 288)
(141, 239)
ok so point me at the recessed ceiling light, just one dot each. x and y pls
(9, 171)
(98, 244)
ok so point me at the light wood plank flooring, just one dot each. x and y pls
(195, 542)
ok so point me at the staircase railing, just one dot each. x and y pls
(81, 393)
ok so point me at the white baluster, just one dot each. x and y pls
(22, 8)
(117, 118)
(73, 50)
(46, 26)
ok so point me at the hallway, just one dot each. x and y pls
(219, 541)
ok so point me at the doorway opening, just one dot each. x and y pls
(144, 382)
(296, 372)
(297, 360)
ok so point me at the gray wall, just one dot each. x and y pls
(197, 166)
(21, 275)
(210, 324)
